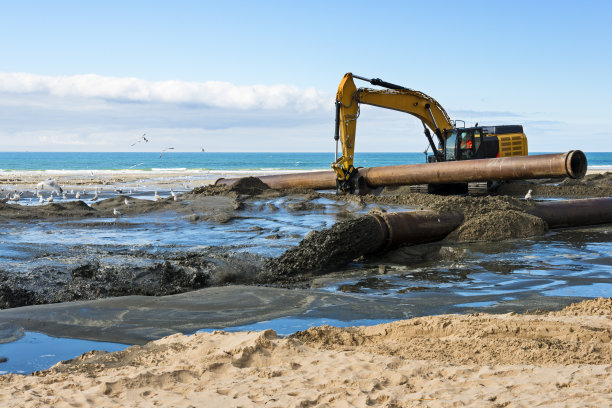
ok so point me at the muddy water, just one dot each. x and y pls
(153, 248)
(572, 262)
(172, 247)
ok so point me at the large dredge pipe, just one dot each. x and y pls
(574, 213)
(571, 164)
(412, 227)
(318, 180)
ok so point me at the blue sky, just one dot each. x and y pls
(261, 76)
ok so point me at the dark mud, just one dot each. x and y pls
(323, 250)
(138, 274)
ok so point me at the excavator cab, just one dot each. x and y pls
(462, 144)
(483, 142)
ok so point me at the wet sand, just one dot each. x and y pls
(558, 358)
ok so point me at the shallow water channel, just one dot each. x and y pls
(566, 263)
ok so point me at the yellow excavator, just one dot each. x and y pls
(454, 143)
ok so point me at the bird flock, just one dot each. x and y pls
(56, 192)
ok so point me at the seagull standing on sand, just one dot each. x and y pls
(127, 202)
(77, 195)
(50, 199)
(157, 196)
(15, 197)
(95, 197)
(52, 184)
(528, 195)
(116, 213)
(41, 199)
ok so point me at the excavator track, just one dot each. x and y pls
(474, 188)
(478, 188)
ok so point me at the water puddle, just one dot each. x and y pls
(37, 351)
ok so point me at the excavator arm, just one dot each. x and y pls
(428, 110)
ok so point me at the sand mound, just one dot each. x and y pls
(245, 186)
(438, 361)
(476, 339)
(72, 209)
(593, 307)
(498, 225)
(249, 185)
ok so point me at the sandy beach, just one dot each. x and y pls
(560, 359)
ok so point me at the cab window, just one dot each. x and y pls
(451, 142)
(466, 145)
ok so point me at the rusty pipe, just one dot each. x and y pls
(318, 180)
(571, 164)
(574, 213)
(413, 227)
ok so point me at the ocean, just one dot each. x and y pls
(177, 161)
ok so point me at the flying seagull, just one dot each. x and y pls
(164, 150)
(52, 184)
(528, 195)
(141, 139)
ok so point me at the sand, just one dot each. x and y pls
(554, 359)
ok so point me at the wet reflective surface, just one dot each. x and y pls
(36, 351)
(572, 262)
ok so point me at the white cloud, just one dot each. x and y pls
(97, 113)
(210, 93)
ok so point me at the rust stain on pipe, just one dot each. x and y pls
(571, 164)
(414, 227)
(575, 213)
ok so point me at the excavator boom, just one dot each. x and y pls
(395, 97)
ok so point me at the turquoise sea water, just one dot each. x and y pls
(19, 161)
